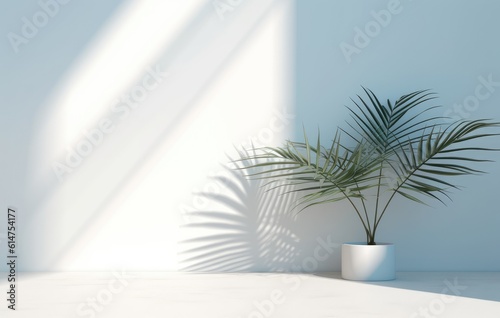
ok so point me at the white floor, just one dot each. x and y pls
(252, 295)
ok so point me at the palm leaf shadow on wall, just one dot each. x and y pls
(246, 228)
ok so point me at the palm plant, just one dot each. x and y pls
(392, 148)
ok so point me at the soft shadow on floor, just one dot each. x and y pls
(479, 285)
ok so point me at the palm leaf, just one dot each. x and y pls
(402, 139)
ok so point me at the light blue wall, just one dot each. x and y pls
(441, 45)
(255, 72)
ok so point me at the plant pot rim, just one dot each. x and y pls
(365, 244)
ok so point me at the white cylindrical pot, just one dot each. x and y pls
(368, 262)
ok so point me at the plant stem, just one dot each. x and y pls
(367, 230)
(372, 238)
(357, 211)
(383, 211)
(366, 213)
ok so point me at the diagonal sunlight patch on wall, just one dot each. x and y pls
(119, 57)
(119, 54)
(128, 191)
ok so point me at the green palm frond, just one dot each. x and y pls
(423, 163)
(399, 147)
(300, 162)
